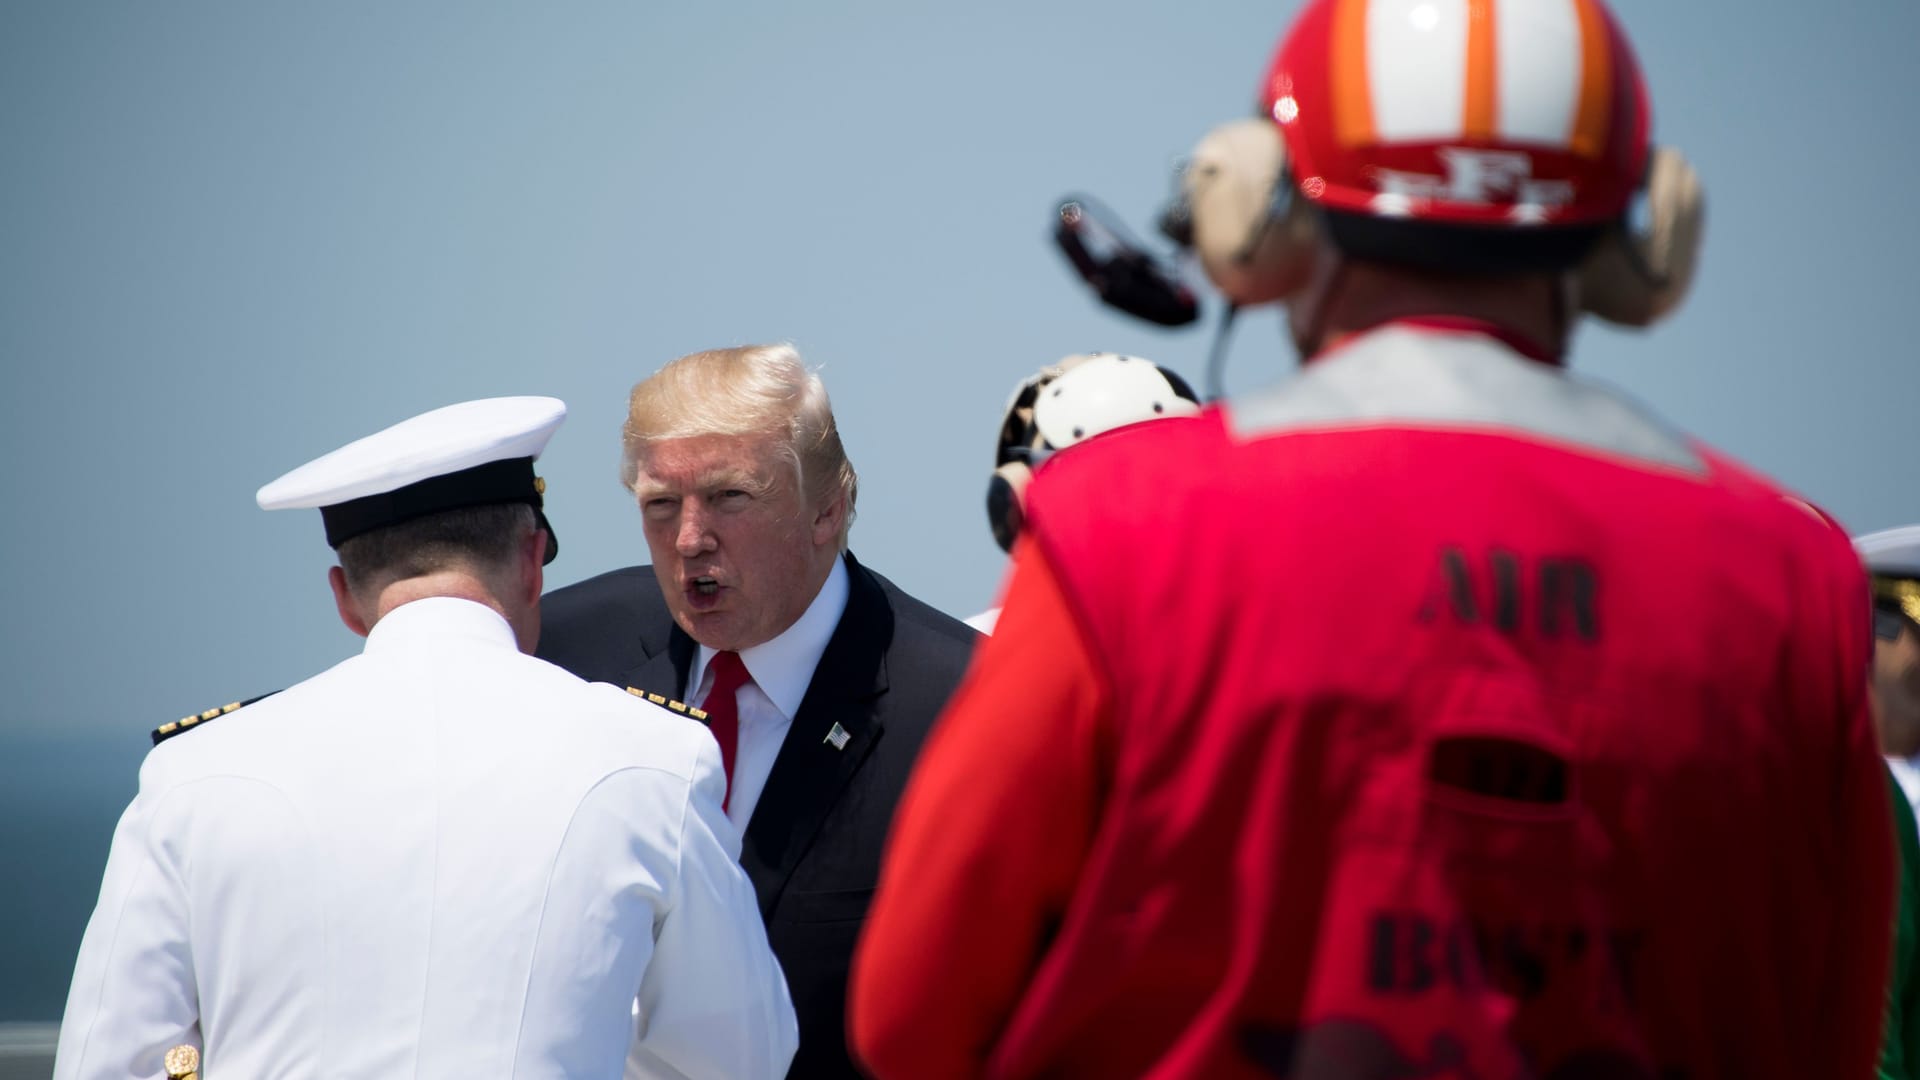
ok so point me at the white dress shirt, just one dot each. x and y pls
(1907, 772)
(781, 670)
(439, 858)
(984, 621)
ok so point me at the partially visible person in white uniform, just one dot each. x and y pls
(1893, 559)
(1065, 404)
(442, 857)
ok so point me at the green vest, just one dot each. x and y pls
(1900, 1045)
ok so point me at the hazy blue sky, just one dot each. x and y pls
(235, 235)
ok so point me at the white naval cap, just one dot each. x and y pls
(471, 454)
(1891, 552)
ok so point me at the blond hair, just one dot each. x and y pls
(746, 391)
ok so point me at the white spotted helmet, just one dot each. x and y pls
(1067, 403)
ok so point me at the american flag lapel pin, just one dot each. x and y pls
(838, 737)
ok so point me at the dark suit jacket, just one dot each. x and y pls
(812, 847)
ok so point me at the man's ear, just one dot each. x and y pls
(827, 523)
(536, 554)
(345, 604)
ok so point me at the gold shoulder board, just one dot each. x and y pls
(666, 702)
(188, 723)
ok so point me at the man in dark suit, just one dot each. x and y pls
(819, 676)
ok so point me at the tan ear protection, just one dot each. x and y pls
(1634, 277)
(1256, 241)
(1253, 238)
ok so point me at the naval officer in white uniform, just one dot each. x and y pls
(442, 857)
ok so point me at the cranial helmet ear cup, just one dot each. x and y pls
(1634, 277)
(1253, 238)
(1006, 495)
(1008, 485)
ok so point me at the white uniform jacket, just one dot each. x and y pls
(441, 858)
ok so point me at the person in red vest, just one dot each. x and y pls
(1432, 713)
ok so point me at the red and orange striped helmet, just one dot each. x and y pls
(1471, 112)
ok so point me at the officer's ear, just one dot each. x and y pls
(345, 604)
(536, 570)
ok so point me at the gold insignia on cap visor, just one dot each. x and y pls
(1904, 592)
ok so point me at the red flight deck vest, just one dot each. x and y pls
(1468, 722)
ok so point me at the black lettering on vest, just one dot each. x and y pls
(1563, 604)
(1401, 955)
(1462, 956)
(1506, 591)
(1567, 588)
(1451, 588)
(1409, 953)
(1422, 968)
(1381, 954)
(1524, 963)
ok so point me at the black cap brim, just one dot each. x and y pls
(507, 481)
(553, 538)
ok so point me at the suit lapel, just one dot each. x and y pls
(663, 670)
(810, 771)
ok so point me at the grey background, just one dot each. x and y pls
(236, 235)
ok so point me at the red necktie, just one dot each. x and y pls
(723, 709)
